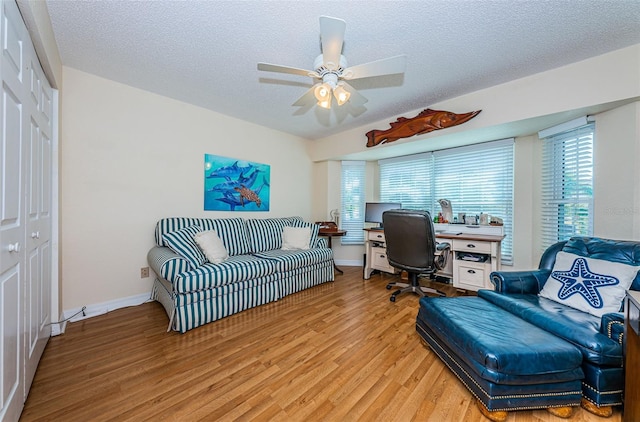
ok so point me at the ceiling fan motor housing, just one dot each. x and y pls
(330, 72)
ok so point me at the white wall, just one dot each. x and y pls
(129, 158)
(617, 175)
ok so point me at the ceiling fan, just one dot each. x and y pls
(331, 71)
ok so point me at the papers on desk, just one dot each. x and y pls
(449, 232)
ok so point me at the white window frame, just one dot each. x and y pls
(567, 185)
(352, 202)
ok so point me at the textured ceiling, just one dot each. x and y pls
(205, 52)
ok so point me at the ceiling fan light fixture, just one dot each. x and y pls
(323, 95)
(341, 94)
(325, 103)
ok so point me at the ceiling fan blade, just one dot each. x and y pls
(356, 98)
(332, 37)
(267, 67)
(391, 65)
(308, 98)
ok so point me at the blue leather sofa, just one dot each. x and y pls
(598, 339)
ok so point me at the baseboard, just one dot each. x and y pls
(349, 262)
(79, 314)
(58, 328)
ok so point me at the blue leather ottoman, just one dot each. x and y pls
(506, 362)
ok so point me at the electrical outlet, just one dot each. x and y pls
(144, 272)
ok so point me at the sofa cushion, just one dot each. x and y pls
(577, 327)
(212, 246)
(183, 243)
(266, 234)
(232, 231)
(294, 238)
(236, 268)
(590, 285)
(291, 259)
(184, 299)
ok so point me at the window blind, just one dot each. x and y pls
(352, 202)
(477, 178)
(567, 185)
(407, 180)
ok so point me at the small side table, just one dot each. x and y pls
(329, 234)
(631, 411)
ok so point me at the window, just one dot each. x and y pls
(476, 179)
(407, 180)
(567, 185)
(352, 202)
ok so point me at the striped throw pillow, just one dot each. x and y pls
(182, 242)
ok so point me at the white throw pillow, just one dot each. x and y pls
(295, 237)
(212, 246)
(590, 285)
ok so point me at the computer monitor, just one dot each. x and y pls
(373, 211)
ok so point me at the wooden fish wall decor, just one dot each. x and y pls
(427, 121)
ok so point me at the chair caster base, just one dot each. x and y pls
(602, 411)
(392, 298)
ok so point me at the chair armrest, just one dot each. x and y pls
(442, 255)
(166, 263)
(442, 246)
(612, 326)
(525, 282)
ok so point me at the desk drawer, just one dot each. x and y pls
(471, 275)
(476, 246)
(375, 236)
(379, 257)
(379, 260)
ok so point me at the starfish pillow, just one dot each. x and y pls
(590, 285)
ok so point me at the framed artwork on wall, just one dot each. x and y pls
(233, 184)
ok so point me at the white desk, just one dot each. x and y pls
(483, 242)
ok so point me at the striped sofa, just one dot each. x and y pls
(257, 271)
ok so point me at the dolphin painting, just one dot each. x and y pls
(228, 172)
(244, 196)
(230, 185)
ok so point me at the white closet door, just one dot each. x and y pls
(12, 227)
(38, 218)
(25, 212)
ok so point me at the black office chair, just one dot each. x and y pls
(411, 246)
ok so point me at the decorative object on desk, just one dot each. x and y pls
(484, 219)
(231, 184)
(335, 216)
(427, 121)
(471, 219)
(327, 226)
(496, 221)
(447, 213)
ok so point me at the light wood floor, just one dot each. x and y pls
(337, 352)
